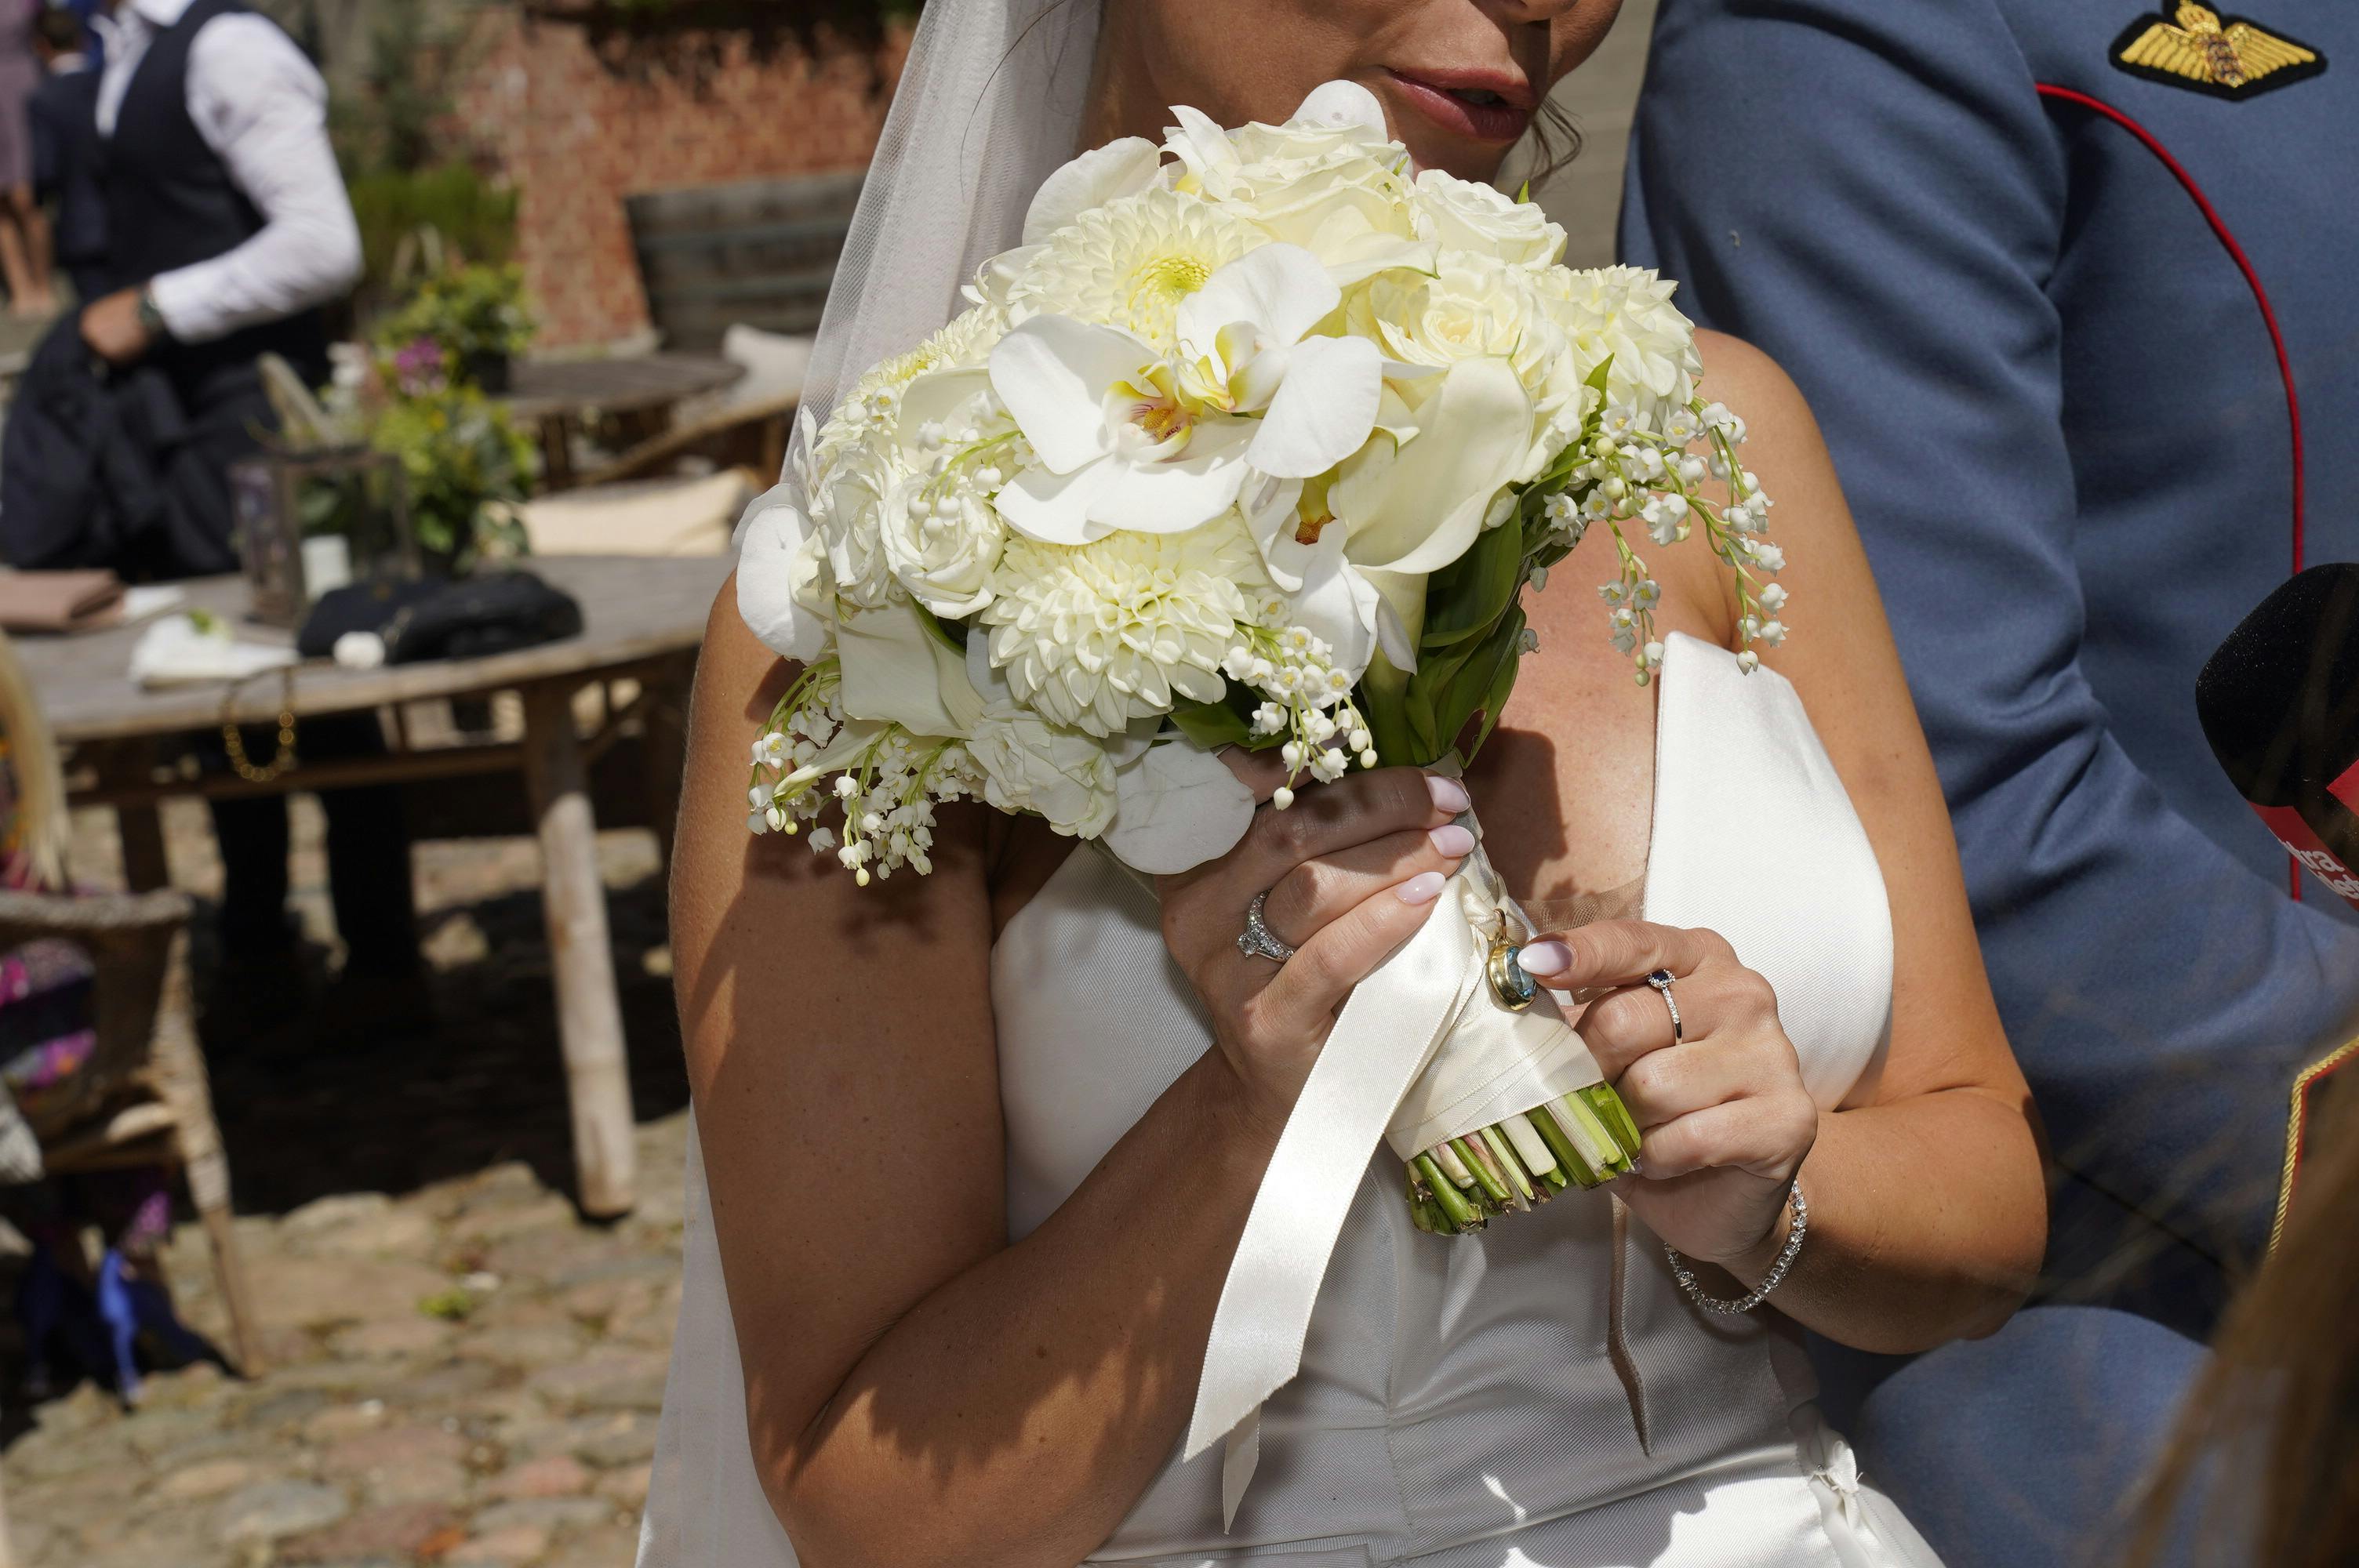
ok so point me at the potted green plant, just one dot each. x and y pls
(467, 465)
(477, 315)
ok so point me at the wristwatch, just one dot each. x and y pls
(151, 320)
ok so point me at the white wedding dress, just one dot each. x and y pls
(1540, 1396)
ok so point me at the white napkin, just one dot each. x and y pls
(179, 650)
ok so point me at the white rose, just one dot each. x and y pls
(1328, 189)
(847, 516)
(944, 559)
(1474, 307)
(1030, 764)
(1463, 216)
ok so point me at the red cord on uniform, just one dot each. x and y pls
(2252, 280)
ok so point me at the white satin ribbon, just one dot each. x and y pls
(1384, 1073)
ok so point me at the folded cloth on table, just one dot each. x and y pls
(79, 601)
(184, 650)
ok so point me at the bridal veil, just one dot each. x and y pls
(989, 104)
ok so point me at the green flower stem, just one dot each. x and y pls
(1568, 1158)
(1615, 1115)
(1461, 1215)
(1495, 1185)
(1583, 1139)
(1496, 1141)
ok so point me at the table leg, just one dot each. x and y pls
(589, 1012)
(141, 828)
(556, 452)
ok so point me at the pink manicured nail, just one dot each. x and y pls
(1423, 888)
(1545, 957)
(1448, 794)
(1453, 842)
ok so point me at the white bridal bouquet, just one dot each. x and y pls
(1255, 440)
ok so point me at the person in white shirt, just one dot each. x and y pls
(229, 230)
(258, 109)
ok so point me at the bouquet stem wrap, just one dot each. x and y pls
(1421, 1054)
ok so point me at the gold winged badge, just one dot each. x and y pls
(2200, 50)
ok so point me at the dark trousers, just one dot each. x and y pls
(368, 855)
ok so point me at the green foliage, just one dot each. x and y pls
(400, 99)
(467, 215)
(467, 465)
(466, 311)
(1471, 643)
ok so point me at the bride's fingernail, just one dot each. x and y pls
(1448, 794)
(1423, 888)
(1544, 958)
(1453, 842)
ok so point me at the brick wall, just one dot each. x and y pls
(576, 137)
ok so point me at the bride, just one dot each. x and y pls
(970, 1165)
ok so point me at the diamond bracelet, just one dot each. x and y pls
(1769, 1281)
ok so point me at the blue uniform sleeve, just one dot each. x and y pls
(1871, 193)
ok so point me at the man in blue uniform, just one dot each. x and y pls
(2069, 289)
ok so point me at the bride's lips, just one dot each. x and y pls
(1481, 105)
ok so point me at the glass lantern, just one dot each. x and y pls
(311, 522)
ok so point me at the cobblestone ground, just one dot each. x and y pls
(458, 1370)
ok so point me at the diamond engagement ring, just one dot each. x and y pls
(1257, 940)
(1661, 980)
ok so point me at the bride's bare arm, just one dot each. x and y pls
(1927, 1210)
(918, 1390)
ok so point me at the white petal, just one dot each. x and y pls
(1054, 509)
(1344, 103)
(1400, 615)
(935, 397)
(1337, 604)
(1176, 808)
(1374, 252)
(773, 534)
(1173, 497)
(1323, 411)
(1053, 372)
(1419, 509)
(896, 671)
(1282, 290)
(985, 676)
(1269, 507)
(1120, 168)
(1197, 132)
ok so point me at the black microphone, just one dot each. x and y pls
(2279, 702)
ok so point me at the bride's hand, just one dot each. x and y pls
(1351, 869)
(1724, 1118)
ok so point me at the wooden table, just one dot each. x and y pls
(644, 619)
(556, 394)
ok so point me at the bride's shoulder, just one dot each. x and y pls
(1786, 454)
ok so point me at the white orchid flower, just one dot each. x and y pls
(1127, 439)
(1246, 347)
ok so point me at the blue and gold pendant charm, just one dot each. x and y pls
(2201, 50)
(1513, 988)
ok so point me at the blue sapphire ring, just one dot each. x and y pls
(1661, 980)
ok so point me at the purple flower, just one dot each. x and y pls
(418, 370)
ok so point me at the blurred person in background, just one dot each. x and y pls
(229, 230)
(2068, 289)
(24, 229)
(2265, 1466)
(64, 113)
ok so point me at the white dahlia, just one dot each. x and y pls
(1095, 636)
(1131, 262)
